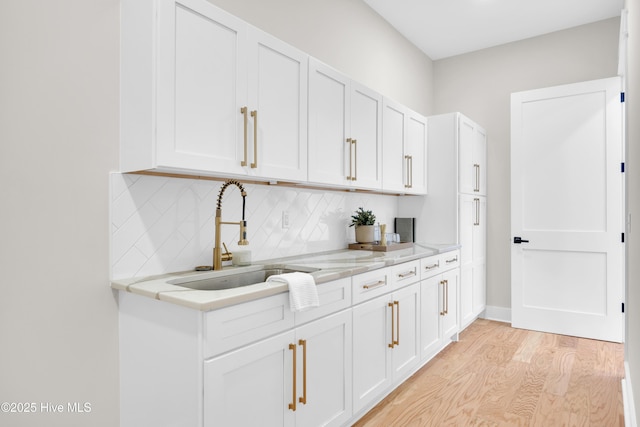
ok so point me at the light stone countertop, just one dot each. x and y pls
(330, 266)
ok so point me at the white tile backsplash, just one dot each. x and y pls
(161, 224)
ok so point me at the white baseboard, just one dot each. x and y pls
(500, 314)
(627, 399)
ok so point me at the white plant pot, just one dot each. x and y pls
(364, 234)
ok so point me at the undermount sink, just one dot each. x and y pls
(236, 280)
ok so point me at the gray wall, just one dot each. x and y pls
(58, 141)
(632, 353)
(349, 36)
(479, 84)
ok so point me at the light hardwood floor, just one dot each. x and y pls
(500, 376)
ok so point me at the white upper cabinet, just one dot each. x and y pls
(404, 149)
(278, 108)
(473, 157)
(345, 130)
(189, 73)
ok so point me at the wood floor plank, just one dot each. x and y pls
(500, 376)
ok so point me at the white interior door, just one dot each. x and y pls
(567, 207)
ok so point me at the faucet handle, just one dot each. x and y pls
(226, 256)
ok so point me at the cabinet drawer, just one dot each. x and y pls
(371, 284)
(449, 260)
(405, 273)
(431, 266)
(241, 324)
(334, 296)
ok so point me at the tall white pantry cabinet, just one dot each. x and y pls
(455, 208)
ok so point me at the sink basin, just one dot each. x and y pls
(236, 280)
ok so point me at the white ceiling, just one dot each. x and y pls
(443, 28)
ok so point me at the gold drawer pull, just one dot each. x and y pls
(432, 266)
(454, 259)
(407, 274)
(375, 285)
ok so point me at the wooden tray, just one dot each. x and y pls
(375, 247)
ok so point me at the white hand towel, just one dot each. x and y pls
(303, 294)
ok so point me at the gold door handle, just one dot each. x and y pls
(375, 285)
(411, 174)
(476, 188)
(355, 159)
(477, 203)
(443, 312)
(350, 176)
(454, 259)
(407, 185)
(393, 326)
(254, 114)
(243, 111)
(292, 405)
(303, 399)
(446, 293)
(397, 304)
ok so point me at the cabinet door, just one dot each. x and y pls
(416, 150)
(324, 359)
(406, 353)
(201, 82)
(429, 316)
(393, 135)
(480, 158)
(466, 226)
(366, 136)
(328, 125)
(251, 386)
(479, 287)
(450, 319)
(479, 231)
(277, 103)
(371, 355)
(466, 295)
(472, 152)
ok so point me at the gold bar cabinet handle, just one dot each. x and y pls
(375, 285)
(477, 203)
(407, 185)
(303, 399)
(411, 174)
(355, 160)
(432, 266)
(393, 326)
(243, 111)
(410, 273)
(350, 176)
(442, 312)
(397, 304)
(454, 259)
(254, 114)
(446, 293)
(477, 186)
(292, 405)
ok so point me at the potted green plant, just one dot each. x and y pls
(363, 221)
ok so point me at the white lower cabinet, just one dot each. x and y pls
(385, 343)
(438, 304)
(257, 363)
(298, 378)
